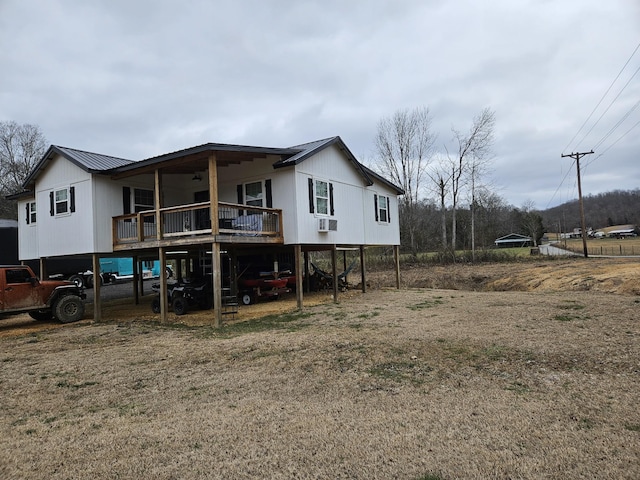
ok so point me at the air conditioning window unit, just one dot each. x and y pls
(333, 225)
(323, 224)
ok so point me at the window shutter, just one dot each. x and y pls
(240, 191)
(28, 213)
(72, 194)
(267, 187)
(126, 200)
(388, 211)
(375, 204)
(331, 211)
(51, 205)
(311, 209)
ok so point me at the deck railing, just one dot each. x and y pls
(194, 220)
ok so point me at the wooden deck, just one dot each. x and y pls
(191, 225)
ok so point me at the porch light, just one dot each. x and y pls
(197, 177)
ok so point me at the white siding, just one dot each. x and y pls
(71, 233)
(353, 204)
(27, 233)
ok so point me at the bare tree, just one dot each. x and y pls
(474, 147)
(404, 144)
(440, 178)
(531, 221)
(21, 147)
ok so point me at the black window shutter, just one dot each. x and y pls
(388, 211)
(375, 205)
(126, 200)
(240, 191)
(267, 187)
(72, 194)
(331, 198)
(28, 213)
(311, 209)
(51, 206)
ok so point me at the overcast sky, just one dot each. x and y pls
(138, 78)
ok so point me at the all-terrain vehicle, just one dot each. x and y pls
(21, 291)
(183, 296)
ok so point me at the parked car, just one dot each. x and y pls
(21, 291)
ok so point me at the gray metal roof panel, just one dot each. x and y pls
(94, 162)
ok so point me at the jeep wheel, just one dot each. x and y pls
(180, 305)
(41, 315)
(78, 280)
(69, 308)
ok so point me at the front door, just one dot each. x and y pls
(203, 216)
(18, 292)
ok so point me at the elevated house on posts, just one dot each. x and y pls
(207, 206)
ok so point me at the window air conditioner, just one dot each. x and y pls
(323, 224)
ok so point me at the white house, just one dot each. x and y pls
(208, 198)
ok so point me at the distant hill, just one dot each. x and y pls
(620, 207)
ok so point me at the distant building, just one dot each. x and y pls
(9, 242)
(513, 240)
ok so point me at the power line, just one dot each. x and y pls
(610, 105)
(559, 186)
(619, 138)
(603, 97)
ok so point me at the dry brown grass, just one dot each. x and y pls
(390, 384)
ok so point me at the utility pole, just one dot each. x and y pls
(577, 157)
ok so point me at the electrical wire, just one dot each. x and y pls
(603, 97)
(610, 105)
(560, 186)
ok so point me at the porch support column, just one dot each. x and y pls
(97, 283)
(297, 252)
(140, 277)
(136, 270)
(334, 272)
(396, 258)
(363, 270)
(43, 268)
(213, 196)
(217, 284)
(158, 202)
(307, 277)
(164, 301)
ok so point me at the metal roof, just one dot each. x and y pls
(93, 162)
(88, 161)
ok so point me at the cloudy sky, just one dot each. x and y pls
(138, 78)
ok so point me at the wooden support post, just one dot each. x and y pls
(297, 252)
(136, 296)
(97, 303)
(164, 300)
(217, 284)
(140, 284)
(213, 197)
(233, 272)
(363, 275)
(43, 268)
(396, 258)
(334, 272)
(158, 202)
(307, 277)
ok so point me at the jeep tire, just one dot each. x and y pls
(69, 308)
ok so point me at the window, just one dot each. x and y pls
(320, 197)
(381, 204)
(31, 212)
(18, 275)
(142, 200)
(62, 201)
(253, 194)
